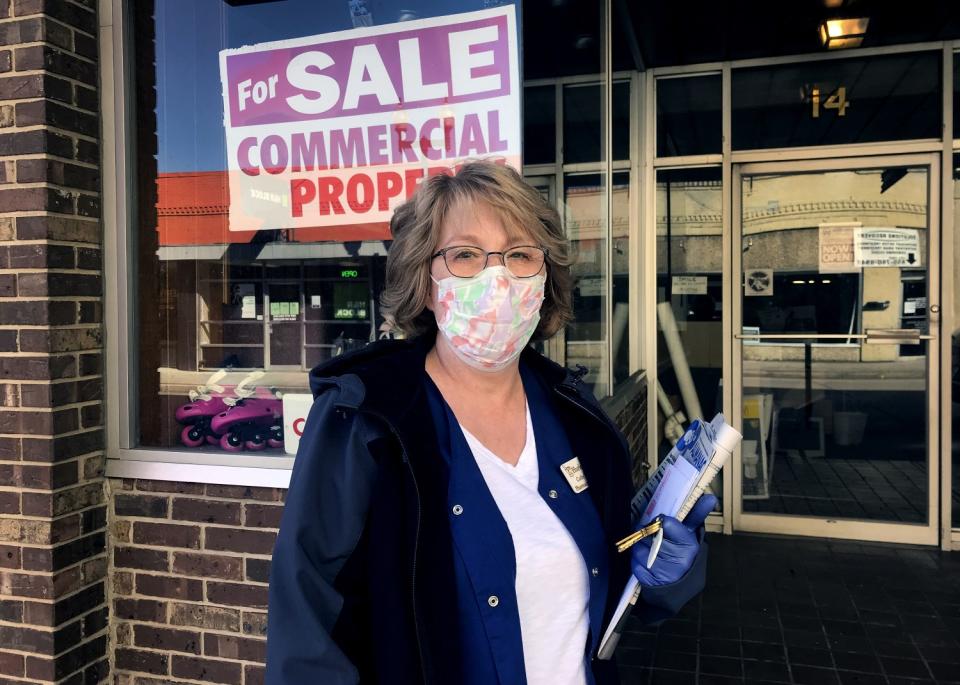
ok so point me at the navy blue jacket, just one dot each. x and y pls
(364, 584)
(485, 557)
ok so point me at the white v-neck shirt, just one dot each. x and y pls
(553, 590)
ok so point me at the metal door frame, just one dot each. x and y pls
(927, 533)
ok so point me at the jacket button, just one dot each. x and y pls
(553, 494)
(493, 601)
(595, 571)
(457, 510)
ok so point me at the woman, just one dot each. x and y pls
(430, 534)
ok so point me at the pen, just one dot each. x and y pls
(655, 548)
(654, 526)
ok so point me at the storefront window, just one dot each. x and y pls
(689, 118)
(689, 301)
(250, 270)
(539, 125)
(586, 337)
(838, 102)
(582, 111)
(585, 219)
(620, 266)
(595, 211)
(260, 249)
(956, 95)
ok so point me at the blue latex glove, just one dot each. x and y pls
(679, 549)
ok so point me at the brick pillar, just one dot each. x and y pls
(53, 612)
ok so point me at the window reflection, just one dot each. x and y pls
(793, 306)
(586, 341)
(239, 316)
(620, 235)
(582, 107)
(956, 98)
(835, 425)
(539, 125)
(689, 118)
(689, 297)
(955, 346)
(585, 221)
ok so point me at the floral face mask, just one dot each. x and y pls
(488, 319)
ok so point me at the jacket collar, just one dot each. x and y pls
(386, 377)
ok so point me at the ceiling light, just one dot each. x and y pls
(843, 33)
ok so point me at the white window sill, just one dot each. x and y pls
(248, 468)
(201, 467)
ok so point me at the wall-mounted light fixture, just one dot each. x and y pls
(836, 34)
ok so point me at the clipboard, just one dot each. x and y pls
(725, 440)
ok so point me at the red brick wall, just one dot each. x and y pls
(631, 417)
(190, 565)
(53, 563)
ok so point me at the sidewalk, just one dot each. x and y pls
(792, 610)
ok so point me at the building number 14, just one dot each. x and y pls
(837, 101)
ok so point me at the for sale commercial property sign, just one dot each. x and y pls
(338, 129)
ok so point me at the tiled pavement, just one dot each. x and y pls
(877, 489)
(818, 612)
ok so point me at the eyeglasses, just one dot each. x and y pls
(466, 261)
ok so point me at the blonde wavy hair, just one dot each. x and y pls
(416, 225)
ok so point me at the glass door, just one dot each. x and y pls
(835, 322)
(285, 324)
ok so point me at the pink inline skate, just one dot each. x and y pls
(249, 422)
(205, 402)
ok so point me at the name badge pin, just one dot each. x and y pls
(574, 474)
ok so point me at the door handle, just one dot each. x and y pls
(895, 336)
(798, 336)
